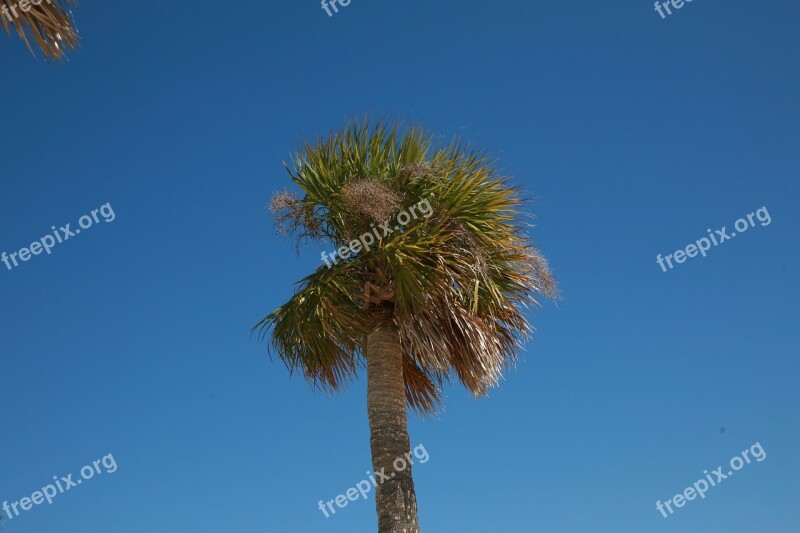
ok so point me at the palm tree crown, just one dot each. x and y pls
(454, 281)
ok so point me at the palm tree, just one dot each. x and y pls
(47, 22)
(439, 293)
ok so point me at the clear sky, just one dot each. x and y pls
(634, 134)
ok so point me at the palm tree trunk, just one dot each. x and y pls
(395, 500)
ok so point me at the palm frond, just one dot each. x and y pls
(321, 329)
(49, 25)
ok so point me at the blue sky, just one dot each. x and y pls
(634, 134)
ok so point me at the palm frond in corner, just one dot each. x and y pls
(48, 25)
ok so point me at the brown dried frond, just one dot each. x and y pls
(444, 336)
(423, 391)
(371, 198)
(329, 375)
(49, 25)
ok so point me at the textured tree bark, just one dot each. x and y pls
(395, 499)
